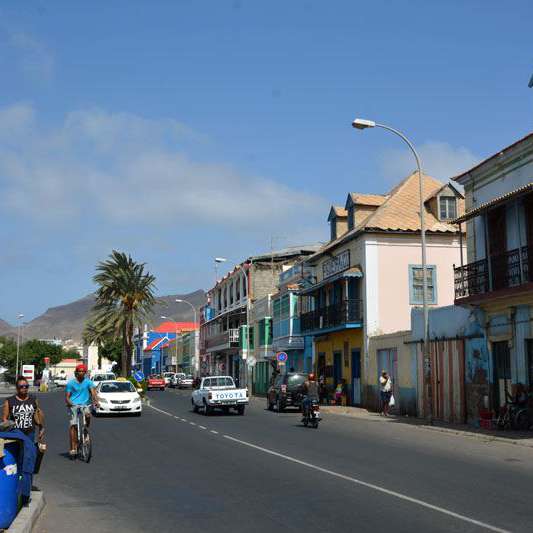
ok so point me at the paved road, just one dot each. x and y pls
(174, 470)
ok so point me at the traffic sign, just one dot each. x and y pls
(282, 357)
(139, 376)
(28, 371)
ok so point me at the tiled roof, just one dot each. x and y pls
(400, 212)
(339, 211)
(172, 327)
(368, 199)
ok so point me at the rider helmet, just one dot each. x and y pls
(311, 377)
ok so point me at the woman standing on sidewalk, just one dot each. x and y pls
(385, 386)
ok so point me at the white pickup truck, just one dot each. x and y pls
(219, 392)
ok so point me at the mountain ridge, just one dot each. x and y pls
(67, 321)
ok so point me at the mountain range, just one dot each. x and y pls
(67, 321)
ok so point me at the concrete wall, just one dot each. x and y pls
(404, 374)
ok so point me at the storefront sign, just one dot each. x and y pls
(336, 264)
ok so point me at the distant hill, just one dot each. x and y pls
(5, 328)
(67, 321)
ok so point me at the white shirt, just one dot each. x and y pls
(386, 384)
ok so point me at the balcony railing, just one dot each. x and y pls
(334, 315)
(507, 270)
(226, 339)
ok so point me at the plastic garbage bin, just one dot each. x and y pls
(9, 480)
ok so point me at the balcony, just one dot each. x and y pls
(223, 341)
(507, 271)
(347, 313)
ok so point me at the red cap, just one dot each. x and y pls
(81, 368)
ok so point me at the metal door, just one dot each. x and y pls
(356, 376)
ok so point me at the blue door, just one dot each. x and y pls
(356, 376)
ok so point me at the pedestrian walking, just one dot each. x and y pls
(385, 387)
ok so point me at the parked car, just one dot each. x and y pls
(117, 397)
(103, 376)
(174, 381)
(155, 381)
(219, 392)
(60, 381)
(167, 377)
(185, 382)
(286, 391)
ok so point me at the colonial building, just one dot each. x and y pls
(497, 277)
(223, 336)
(369, 277)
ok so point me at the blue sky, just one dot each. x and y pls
(182, 130)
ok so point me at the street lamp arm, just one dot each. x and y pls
(406, 141)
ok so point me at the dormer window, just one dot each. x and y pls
(351, 218)
(448, 207)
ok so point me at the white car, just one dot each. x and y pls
(60, 381)
(168, 377)
(185, 382)
(103, 376)
(175, 380)
(117, 397)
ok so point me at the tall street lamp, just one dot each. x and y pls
(20, 316)
(224, 260)
(362, 124)
(180, 301)
(168, 318)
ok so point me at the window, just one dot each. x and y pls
(225, 297)
(244, 286)
(238, 290)
(416, 284)
(333, 229)
(231, 293)
(448, 207)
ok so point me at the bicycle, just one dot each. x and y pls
(85, 449)
(513, 416)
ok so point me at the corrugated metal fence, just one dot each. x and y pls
(447, 380)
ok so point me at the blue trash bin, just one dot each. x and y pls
(9, 481)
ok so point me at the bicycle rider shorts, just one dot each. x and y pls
(72, 413)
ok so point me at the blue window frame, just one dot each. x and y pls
(416, 284)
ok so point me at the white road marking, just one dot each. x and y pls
(192, 423)
(202, 427)
(214, 432)
(161, 411)
(377, 488)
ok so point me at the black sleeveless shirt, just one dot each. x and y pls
(22, 412)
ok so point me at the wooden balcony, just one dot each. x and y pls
(222, 341)
(501, 272)
(335, 316)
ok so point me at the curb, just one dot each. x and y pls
(451, 431)
(28, 516)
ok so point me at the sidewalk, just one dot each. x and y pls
(519, 438)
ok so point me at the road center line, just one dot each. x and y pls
(192, 423)
(377, 488)
(214, 432)
(161, 411)
(202, 427)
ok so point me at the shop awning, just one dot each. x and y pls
(354, 272)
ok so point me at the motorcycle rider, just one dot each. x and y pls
(310, 393)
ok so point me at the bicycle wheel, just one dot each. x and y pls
(521, 420)
(86, 449)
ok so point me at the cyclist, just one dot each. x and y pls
(79, 392)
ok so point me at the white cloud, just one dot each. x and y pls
(439, 159)
(121, 167)
(35, 58)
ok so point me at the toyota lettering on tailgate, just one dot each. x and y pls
(228, 395)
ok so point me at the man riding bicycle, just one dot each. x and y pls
(80, 393)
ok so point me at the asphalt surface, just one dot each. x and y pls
(174, 470)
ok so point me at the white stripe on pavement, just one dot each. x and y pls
(202, 427)
(214, 432)
(192, 423)
(161, 411)
(377, 488)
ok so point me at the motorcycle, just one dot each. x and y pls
(311, 414)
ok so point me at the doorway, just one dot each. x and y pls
(501, 360)
(337, 368)
(497, 236)
(356, 376)
(388, 361)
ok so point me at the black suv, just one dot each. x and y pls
(286, 391)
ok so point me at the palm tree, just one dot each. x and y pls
(125, 296)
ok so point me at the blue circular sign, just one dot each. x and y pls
(282, 357)
(139, 376)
